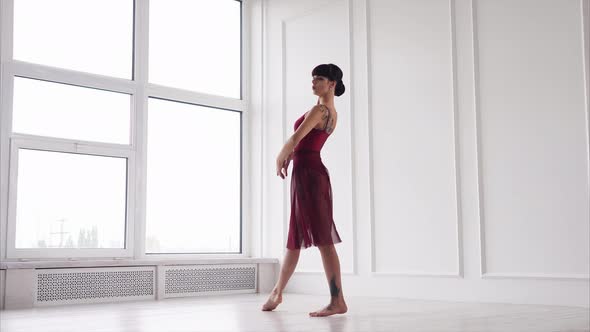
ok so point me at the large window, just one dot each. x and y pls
(68, 111)
(94, 36)
(193, 152)
(68, 200)
(206, 55)
(121, 139)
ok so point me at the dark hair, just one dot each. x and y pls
(333, 73)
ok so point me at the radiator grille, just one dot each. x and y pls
(82, 285)
(207, 279)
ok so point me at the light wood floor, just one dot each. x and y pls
(242, 313)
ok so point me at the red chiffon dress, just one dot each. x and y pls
(311, 221)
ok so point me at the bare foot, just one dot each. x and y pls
(336, 307)
(274, 299)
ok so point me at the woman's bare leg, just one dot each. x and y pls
(289, 264)
(332, 269)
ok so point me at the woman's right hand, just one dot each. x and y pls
(285, 166)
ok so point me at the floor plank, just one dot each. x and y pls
(242, 313)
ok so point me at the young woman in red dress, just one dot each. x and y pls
(311, 222)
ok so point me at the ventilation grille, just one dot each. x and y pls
(207, 279)
(87, 285)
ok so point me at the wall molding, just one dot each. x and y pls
(477, 97)
(585, 17)
(417, 274)
(286, 187)
(459, 244)
(536, 276)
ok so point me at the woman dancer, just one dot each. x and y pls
(311, 220)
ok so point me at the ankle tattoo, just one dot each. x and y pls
(334, 290)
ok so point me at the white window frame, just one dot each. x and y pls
(140, 90)
(34, 143)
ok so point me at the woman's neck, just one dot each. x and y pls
(327, 100)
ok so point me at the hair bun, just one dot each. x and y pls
(339, 88)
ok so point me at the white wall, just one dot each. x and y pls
(460, 166)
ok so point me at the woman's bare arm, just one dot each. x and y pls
(309, 122)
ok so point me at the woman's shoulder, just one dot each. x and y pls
(318, 108)
(321, 107)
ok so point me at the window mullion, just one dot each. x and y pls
(139, 121)
(6, 10)
(193, 97)
(67, 76)
(66, 141)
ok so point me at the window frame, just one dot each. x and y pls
(140, 91)
(33, 143)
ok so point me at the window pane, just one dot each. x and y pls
(193, 179)
(94, 36)
(67, 200)
(195, 45)
(68, 111)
